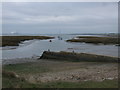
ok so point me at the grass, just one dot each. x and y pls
(15, 40)
(9, 82)
(96, 40)
(87, 84)
(26, 68)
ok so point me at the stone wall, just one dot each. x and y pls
(71, 56)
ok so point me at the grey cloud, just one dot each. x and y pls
(51, 17)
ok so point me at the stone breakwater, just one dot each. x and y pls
(76, 57)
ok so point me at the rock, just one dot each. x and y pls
(10, 74)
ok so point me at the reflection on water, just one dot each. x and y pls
(36, 47)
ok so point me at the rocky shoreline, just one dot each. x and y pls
(49, 71)
(60, 67)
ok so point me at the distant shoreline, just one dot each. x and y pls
(96, 40)
(15, 40)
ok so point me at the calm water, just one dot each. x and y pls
(33, 48)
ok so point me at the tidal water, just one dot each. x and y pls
(33, 48)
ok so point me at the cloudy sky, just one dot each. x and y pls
(64, 17)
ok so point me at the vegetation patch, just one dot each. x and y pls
(76, 57)
(85, 84)
(96, 40)
(15, 40)
(26, 68)
(9, 82)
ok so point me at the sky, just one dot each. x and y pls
(59, 17)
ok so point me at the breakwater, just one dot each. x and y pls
(77, 57)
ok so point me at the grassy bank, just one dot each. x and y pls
(15, 40)
(19, 75)
(96, 40)
(77, 57)
(26, 68)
